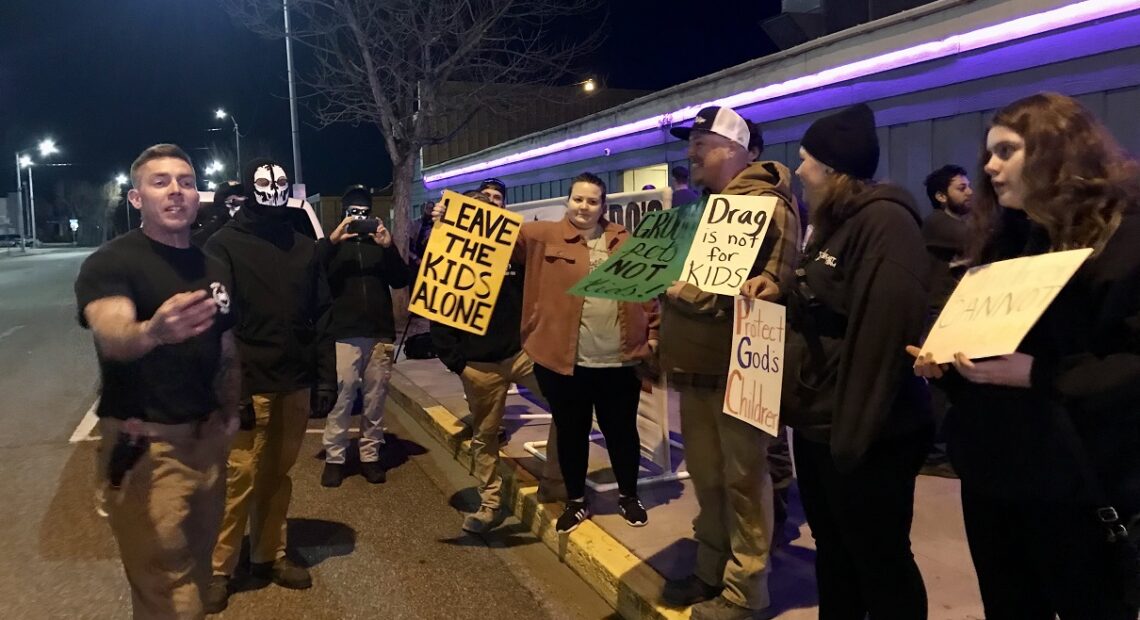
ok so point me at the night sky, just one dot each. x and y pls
(106, 79)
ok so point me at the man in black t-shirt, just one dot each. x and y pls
(161, 316)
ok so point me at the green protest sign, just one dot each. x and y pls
(649, 261)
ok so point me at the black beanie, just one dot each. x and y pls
(846, 141)
(356, 195)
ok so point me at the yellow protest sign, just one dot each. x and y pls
(756, 370)
(996, 305)
(463, 266)
(727, 241)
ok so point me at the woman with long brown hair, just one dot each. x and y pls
(861, 419)
(1044, 437)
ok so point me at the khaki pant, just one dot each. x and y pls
(486, 385)
(727, 462)
(165, 515)
(364, 362)
(258, 486)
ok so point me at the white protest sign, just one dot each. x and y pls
(726, 244)
(756, 371)
(996, 305)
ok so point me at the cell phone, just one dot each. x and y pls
(364, 227)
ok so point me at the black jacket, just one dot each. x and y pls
(945, 237)
(455, 347)
(283, 298)
(361, 275)
(1014, 443)
(860, 299)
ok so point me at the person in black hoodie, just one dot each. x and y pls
(362, 269)
(861, 418)
(227, 200)
(488, 365)
(282, 297)
(1044, 437)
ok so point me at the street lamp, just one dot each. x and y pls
(122, 180)
(221, 114)
(46, 147)
(589, 85)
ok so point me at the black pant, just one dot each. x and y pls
(1039, 559)
(613, 394)
(861, 524)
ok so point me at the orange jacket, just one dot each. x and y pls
(556, 258)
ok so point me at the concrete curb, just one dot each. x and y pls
(626, 582)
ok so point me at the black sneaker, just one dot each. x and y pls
(633, 511)
(373, 472)
(285, 573)
(688, 591)
(332, 475)
(575, 513)
(217, 595)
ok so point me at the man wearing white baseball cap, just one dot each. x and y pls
(727, 458)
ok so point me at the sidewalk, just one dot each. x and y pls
(627, 566)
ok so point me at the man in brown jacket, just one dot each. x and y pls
(725, 456)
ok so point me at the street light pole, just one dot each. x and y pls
(32, 204)
(292, 99)
(20, 201)
(221, 113)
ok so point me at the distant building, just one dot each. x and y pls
(934, 74)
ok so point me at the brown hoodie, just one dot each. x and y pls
(696, 330)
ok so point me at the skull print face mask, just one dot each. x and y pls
(270, 185)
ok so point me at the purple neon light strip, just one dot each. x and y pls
(1021, 27)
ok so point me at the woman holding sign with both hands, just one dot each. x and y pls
(1047, 438)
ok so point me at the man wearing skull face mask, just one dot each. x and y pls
(362, 268)
(227, 200)
(281, 290)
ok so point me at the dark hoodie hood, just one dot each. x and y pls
(888, 192)
(763, 178)
(841, 213)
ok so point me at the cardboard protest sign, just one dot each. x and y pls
(756, 372)
(649, 261)
(996, 305)
(727, 242)
(463, 266)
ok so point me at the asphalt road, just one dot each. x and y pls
(386, 551)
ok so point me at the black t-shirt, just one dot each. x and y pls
(173, 384)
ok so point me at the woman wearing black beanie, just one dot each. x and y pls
(861, 418)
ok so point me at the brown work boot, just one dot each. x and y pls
(217, 595)
(285, 573)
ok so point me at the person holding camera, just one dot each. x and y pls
(161, 315)
(362, 265)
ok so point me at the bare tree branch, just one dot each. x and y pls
(420, 70)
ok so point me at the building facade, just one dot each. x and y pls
(934, 75)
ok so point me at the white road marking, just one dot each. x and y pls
(86, 425)
(10, 331)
